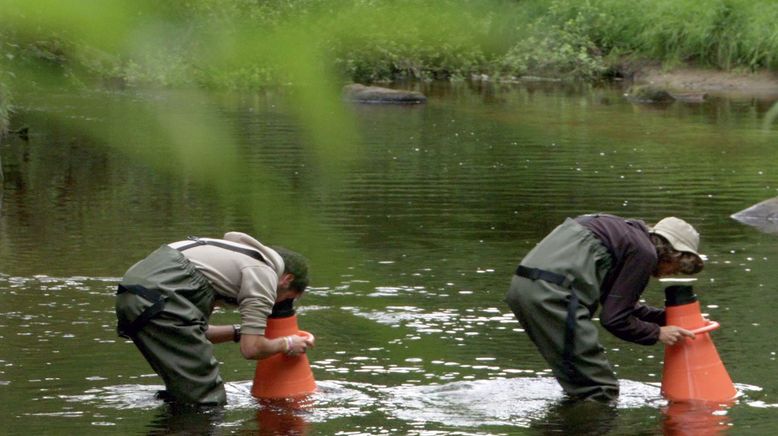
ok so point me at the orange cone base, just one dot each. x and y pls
(693, 369)
(282, 376)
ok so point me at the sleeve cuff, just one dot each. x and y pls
(245, 330)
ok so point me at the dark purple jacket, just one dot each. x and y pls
(633, 259)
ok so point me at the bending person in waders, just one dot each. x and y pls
(588, 261)
(164, 301)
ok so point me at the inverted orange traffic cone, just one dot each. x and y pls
(693, 369)
(282, 376)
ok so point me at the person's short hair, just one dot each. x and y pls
(295, 264)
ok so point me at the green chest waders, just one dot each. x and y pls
(163, 305)
(554, 294)
(572, 307)
(156, 299)
(126, 328)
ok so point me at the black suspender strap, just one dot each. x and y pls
(572, 307)
(567, 354)
(246, 251)
(153, 296)
(546, 276)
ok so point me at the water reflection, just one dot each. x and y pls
(577, 417)
(177, 419)
(695, 419)
(281, 417)
(332, 400)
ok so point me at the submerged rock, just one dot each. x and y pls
(690, 97)
(376, 94)
(763, 216)
(648, 94)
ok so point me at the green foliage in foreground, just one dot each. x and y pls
(5, 107)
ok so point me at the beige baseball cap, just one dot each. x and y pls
(680, 234)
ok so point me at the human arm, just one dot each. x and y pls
(649, 314)
(668, 334)
(259, 292)
(258, 347)
(218, 334)
(620, 305)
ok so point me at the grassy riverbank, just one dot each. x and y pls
(241, 44)
(378, 40)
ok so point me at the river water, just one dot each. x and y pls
(413, 218)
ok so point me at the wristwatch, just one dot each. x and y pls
(236, 333)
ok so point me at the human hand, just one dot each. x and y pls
(298, 344)
(670, 334)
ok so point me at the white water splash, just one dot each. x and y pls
(499, 402)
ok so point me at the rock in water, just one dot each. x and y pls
(376, 94)
(648, 94)
(763, 215)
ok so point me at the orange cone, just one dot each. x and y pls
(693, 369)
(282, 376)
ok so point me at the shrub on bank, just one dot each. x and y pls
(724, 34)
(586, 38)
(243, 44)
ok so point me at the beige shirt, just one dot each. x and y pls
(252, 283)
